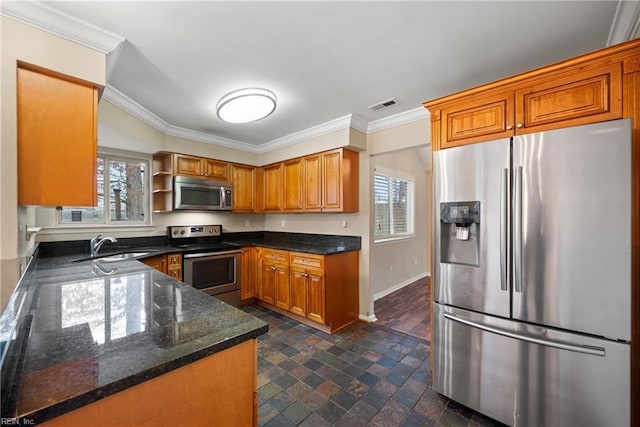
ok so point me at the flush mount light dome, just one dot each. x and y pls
(246, 105)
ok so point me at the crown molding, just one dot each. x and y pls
(61, 24)
(626, 22)
(399, 119)
(211, 139)
(119, 99)
(122, 101)
(359, 123)
(313, 132)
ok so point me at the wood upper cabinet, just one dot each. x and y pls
(57, 139)
(313, 183)
(243, 178)
(248, 273)
(478, 119)
(200, 167)
(561, 98)
(294, 184)
(270, 188)
(339, 181)
(576, 98)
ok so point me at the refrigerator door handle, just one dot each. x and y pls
(517, 230)
(594, 351)
(504, 229)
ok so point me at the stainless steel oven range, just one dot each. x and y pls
(209, 264)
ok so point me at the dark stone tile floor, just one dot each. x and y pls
(364, 375)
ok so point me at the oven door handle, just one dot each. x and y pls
(207, 254)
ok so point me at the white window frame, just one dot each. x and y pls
(119, 155)
(411, 206)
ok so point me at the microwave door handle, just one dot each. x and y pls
(223, 198)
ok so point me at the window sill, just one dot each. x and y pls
(390, 240)
(88, 228)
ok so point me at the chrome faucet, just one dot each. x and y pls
(95, 244)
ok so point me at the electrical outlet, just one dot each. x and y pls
(247, 223)
(415, 261)
(282, 223)
(391, 269)
(345, 224)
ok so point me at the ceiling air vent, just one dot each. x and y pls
(382, 105)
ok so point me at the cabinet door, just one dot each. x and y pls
(332, 181)
(272, 178)
(294, 184)
(473, 120)
(188, 165)
(576, 99)
(313, 183)
(281, 273)
(298, 284)
(248, 285)
(57, 140)
(158, 262)
(268, 279)
(243, 178)
(317, 296)
(215, 169)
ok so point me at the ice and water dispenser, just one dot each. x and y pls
(460, 233)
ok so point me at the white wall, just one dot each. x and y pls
(400, 262)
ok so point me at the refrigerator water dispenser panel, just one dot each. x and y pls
(460, 229)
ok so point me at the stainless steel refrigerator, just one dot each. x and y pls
(532, 276)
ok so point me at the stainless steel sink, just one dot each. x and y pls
(116, 257)
(121, 257)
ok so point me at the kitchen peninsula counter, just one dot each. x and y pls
(77, 334)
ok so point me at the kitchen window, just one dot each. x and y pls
(394, 205)
(123, 193)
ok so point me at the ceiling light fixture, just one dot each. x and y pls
(246, 105)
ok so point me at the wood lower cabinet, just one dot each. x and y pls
(273, 277)
(174, 266)
(169, 264)
(308, 293)
(564, 97)
(158, 262)
(57, 139)
(320, 290)
(182, 396)
(249, 274)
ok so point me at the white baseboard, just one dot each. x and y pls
(368, 319)
(398, 286)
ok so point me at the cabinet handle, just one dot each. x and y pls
(509, 127)
(519, 125)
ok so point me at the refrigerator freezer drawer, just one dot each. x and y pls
(528, 375)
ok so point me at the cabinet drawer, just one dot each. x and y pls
(174, 259)
(307, 260)
(275, 255)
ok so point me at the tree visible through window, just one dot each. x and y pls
(393, 206)
(122, 194)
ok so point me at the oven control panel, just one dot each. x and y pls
(179, 232)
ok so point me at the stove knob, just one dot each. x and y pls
(181, 232)
(175, 232)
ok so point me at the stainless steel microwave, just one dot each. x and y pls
(201, 194)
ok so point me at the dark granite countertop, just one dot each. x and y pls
(74, 332)
(320, 244)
